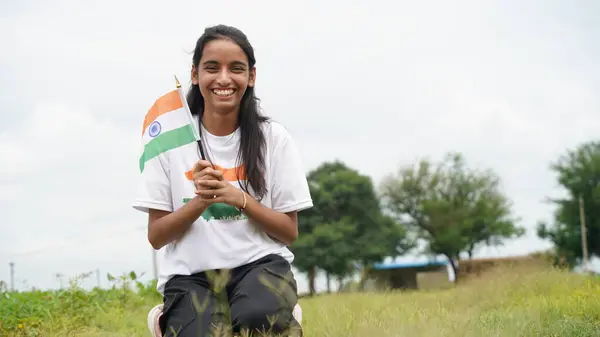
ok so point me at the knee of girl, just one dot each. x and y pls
(274, 321)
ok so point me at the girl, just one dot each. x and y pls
(240, 212)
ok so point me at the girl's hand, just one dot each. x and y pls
(213, 188)
(202, 171)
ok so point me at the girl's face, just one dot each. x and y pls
(223, 75)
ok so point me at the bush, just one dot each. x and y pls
(71, 309)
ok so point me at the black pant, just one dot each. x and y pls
(247, 297)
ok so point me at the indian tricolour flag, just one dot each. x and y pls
(167, 126)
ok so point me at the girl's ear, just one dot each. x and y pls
(252, 77)
(194, 75)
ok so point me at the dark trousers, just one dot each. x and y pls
(259, 296)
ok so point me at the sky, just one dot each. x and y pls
(510, 84)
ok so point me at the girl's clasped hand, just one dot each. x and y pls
(213, 188)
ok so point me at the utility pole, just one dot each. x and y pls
(154, 264)
(59, 276)
(12, 276)
(583, 234)
(98, 277)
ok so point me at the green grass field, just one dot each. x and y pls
(503, 302)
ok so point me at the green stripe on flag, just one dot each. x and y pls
(167, 141)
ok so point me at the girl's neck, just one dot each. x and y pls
(219, 124)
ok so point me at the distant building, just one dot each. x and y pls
(412, 275)
(439, 274)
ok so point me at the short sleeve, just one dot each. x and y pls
(154, 189)
(289, 186)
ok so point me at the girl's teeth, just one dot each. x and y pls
(223, 92)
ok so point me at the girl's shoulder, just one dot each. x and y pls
(275, 132)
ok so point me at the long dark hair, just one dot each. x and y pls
(252, 142)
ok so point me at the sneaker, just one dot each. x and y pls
(153, 317)
(297, 313)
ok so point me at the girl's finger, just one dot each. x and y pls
(210, 194)
(204, 188)
(205, 173)
(206, 195)
(210, 183)
(216, 174)
(197, 185)
(215, 201)
(201, 165)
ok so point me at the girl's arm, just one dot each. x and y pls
(164, 227)
(282, 226)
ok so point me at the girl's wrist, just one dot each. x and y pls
(199, 202)
(242, 201)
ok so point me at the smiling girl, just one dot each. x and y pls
(238, 212)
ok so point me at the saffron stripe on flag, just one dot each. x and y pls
(167, 141)
(167, 103)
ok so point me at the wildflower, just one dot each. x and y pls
(20, 326)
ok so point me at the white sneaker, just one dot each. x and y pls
(153, 317)
(156, 312)
(297, 313)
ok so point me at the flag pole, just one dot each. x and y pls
(189, 113)
(196, 131)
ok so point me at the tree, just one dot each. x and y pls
(334, 251)
(453, 209)
(578, 172)
(305, 258)
(345, 227)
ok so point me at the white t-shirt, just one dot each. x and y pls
(222, 238)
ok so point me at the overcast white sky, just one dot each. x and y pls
(511, 84)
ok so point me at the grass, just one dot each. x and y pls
(503, 302)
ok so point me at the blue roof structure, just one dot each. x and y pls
(383, 266)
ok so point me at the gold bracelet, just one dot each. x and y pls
(243, 207)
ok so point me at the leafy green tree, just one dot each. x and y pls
(452, 208)
(345, 227)
(578, 172)
(306, 258)
(332, 247)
